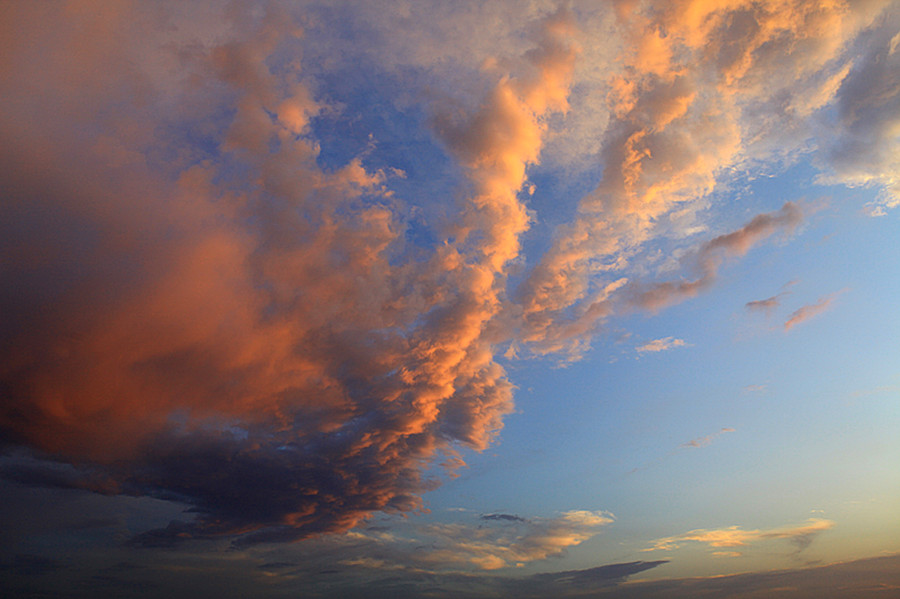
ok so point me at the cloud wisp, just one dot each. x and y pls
(734, 536)
(704, 441)
(658, 345)
(804, 313)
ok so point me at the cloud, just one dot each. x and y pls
(517, 541)
(808, 311)
(768, 305)
(764, 305)
(872, 577)
(503, 517)
(704, 441)
(755, 389)
(710, 256)
(658, 345)
(226, 323)
(208, 303)
(567, 327)
(735, 536)
(862, 152)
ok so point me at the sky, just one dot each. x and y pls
(450, 299)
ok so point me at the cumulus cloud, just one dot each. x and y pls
(658, 345)
(703, 90)
(203, 305)
(734, 536)
(226, 323)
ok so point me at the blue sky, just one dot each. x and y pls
(451, 300)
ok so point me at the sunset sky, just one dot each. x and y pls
(450, 299)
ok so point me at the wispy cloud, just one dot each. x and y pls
(658, 345)
(764, 305)
(704, 441)
(804, 313)
(734, 536)
(755, 388)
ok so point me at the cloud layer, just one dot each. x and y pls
(205, 303)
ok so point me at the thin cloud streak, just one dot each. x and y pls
(658, 345)
(804, 313)
(704, 441)
(734, 536)
(765, 305)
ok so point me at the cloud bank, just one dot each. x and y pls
(206, 303)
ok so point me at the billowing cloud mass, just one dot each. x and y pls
(734, 536)
(209, 299)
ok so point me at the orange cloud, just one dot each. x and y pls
(735, 536)
(199, 309)
(703, 89)
(804, 313)
(232, 327)
(658, 345)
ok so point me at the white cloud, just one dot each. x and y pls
(658, 345)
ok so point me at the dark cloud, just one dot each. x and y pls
(196, 311)
(554, 583)
(506, 517)
(873, 578)
(764, 305)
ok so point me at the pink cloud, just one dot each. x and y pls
(804, 313)
(658, 345)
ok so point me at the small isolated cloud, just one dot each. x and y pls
(704, 441)
(503, 517)
(769, 304)
(658, 345)
(756, 389)
(808, 311)
(734, 536)
(764, 305)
